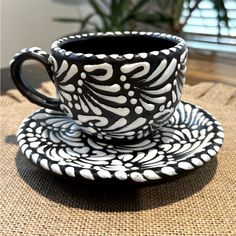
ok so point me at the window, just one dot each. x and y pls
(202, 29)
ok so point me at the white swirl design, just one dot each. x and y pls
(54, 142)
(144, 89)
(119, 87)
(114, 96)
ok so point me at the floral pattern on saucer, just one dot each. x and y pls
(187, 141)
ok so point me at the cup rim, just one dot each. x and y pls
(180, 45)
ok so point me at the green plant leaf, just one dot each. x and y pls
(67, 20)
(138, 6)
(115, 10)
(219, 5)
(80, 21)
(124, 8)
(134, 10)
(152, 18)
(179, 6)
(177, 12)
(106, 4)
(97, 9)
(122, 14)
(86, 20)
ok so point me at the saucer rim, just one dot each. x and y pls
(138, 179)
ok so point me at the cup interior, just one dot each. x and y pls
(119, 44)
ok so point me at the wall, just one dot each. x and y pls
(27, 23)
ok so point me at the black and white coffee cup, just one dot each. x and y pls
(114, 85)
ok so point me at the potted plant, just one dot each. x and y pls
(162, 15)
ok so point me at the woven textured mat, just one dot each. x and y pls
(32, 202)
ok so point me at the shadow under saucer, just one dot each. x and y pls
(112, 197)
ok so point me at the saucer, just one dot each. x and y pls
(187, 141)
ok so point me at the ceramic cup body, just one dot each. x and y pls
(116, 86)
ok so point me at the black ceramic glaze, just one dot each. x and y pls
(190, 139)
(115, 86)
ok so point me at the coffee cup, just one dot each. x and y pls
(117, 86)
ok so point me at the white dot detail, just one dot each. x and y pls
(75, 97)
(101, 56)
(128, 164)
(104, 174)
(185, 165)
(155, 53)
(133, 101)
(138, 110)
(70, 171)
(80, 82)
(150, 122)
(220, 134)
(83, 75)
(166, 51)
(162, 107)
(77, 106)
(70, 104)
(169, 104)
(131, 93)
(56, 169)
(129, 56)
(150, 174)
(126, 86)
(143, 54)
(205, 157)
(197, 162)
(142, 33)
(211, 152)
(168, 170)
(123, 78)
(137, 177)
(121, 175)
(79, 90)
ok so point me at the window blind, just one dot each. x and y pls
(202, 29)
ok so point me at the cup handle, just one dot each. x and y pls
(26, 90)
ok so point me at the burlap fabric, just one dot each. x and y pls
(202, 203)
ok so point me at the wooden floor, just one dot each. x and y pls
(211, 68)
